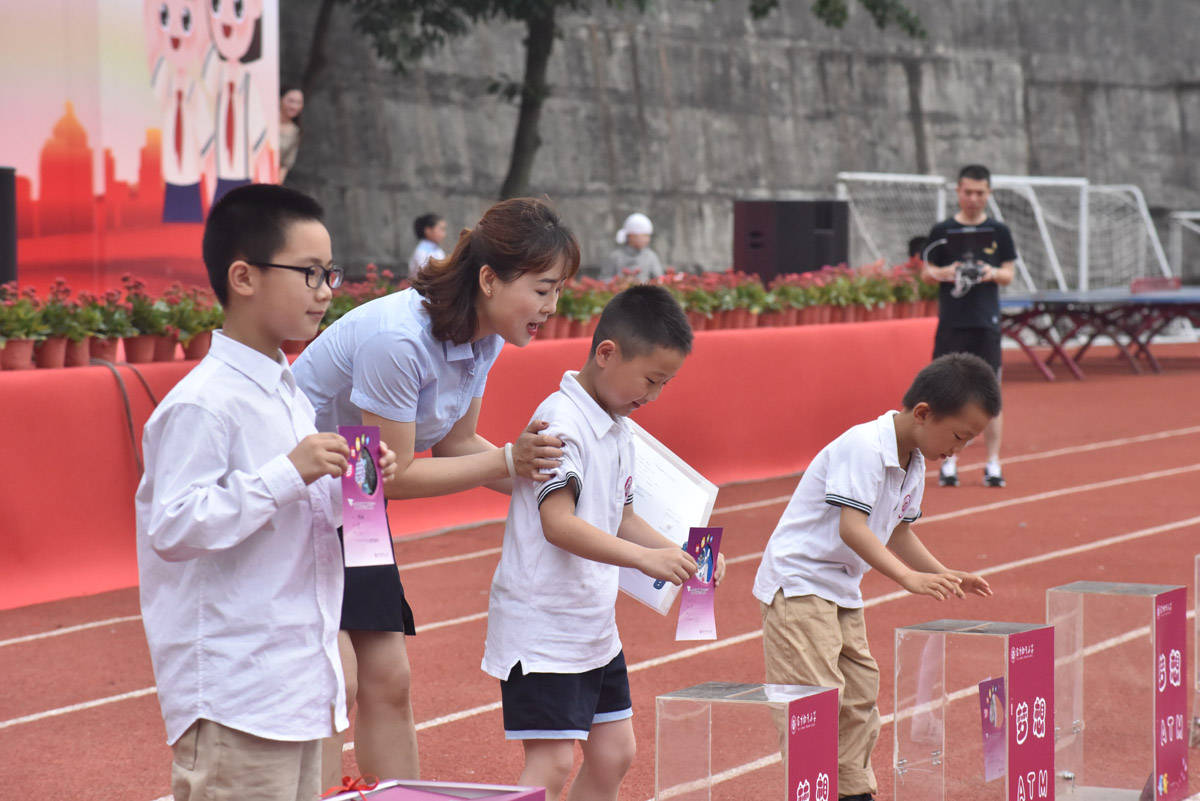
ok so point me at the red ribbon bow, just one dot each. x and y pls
(356, 785)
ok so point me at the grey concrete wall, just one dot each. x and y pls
(681, 110)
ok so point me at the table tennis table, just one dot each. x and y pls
(1061, 320)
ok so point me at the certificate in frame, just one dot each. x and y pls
(672, 497)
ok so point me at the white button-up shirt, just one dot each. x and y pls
(382, 358)
(239, 562)
(860, 469)
(550, 610)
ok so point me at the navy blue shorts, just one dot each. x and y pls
(563, 706)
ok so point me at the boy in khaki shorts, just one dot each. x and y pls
(851, 512)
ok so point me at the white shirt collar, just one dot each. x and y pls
(258, 367)
(601, 421)
(887, 439)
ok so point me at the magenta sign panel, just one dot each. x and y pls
(1170, 695)
(1031, 715)
(812, 747)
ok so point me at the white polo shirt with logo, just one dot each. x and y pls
(550, 610)
(860, 469)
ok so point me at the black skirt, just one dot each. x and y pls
(373, 599)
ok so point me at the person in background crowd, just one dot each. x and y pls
(633, 251)
(430, 230)
(291, 103)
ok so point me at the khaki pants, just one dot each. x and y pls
(808, 640)
(216, 763)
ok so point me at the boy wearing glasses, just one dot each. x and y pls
(238, 556)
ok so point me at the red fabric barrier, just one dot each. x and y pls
(748, 404)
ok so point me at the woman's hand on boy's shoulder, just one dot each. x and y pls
(536, 455)
(387, 462)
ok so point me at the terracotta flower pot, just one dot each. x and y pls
(51, 352)
(197, 347)
(825, 314)
(78, 353)
(164, 347)
(589, 327)
(140, 349)
(293, 347)
(17, 355)
(791, 316)
(698, 320)
(548, 329)
(105, 349)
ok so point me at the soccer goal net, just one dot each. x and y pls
(1184, 242)
(1069, 234)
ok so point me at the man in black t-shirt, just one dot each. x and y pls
(972, 256)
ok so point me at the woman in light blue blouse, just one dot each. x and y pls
(415, 364)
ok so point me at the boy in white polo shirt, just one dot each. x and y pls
(851, 512)
(552, 633)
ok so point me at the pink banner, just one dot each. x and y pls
(812, 747)
(1170, 695)
(1031, 715)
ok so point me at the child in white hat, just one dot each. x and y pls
(633, 251)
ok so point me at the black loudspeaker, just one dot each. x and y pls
(8, 224)
(771, 237)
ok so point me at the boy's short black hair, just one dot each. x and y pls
(427, 220)
(916, 245)
(251, 222)
(976, 172)
(642, 318)
(950, 382)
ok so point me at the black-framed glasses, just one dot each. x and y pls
(313, 276)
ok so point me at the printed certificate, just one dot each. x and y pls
(673, 498)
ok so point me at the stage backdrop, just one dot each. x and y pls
(123, 119)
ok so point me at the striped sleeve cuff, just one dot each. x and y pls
(572, 478)
(841, 500)
(912, 519)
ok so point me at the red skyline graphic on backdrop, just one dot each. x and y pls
(69, 202)
(92, 238)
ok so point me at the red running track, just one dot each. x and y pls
(1115, 456)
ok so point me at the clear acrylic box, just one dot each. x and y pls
(1195, 739)
(733, 742)
(1121, 690)
(974, 706)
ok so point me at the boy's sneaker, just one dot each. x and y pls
(948, 475)
(992, 477)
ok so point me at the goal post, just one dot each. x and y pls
(1069, 234)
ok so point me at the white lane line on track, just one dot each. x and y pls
(741, 507)
(1040, 496)
(870, 602)
(63, 710)
(69, 630)
(1072, 449)
(688, 652)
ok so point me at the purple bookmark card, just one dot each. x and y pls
(697, 619)
(366, 539)
(992, 710)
